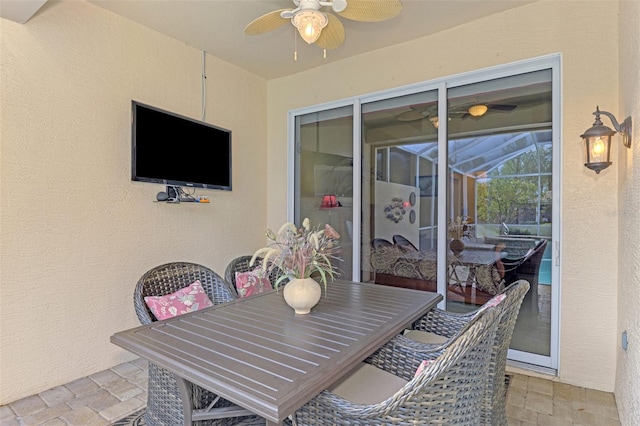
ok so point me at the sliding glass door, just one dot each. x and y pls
(399, 195)
(449, 186)
(324, 175)
(500, 186)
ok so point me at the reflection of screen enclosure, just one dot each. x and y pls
(428, 186)
(336, 180)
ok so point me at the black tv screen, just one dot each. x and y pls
(170, 149)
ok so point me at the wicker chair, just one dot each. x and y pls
(447, 391)
(527, 268)
(164, 402)
(404, 243)
(243, 264)
(442, 326)
(380, 242)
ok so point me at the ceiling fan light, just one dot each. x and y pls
(478, 110)
(309, 24)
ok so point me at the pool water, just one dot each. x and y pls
(545, 272)
(545, 267)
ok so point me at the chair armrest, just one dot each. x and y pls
(401, 356)
(443, 323)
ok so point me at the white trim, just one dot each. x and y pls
(356, 253)
(441, 259)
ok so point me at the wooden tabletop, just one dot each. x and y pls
(259, 354)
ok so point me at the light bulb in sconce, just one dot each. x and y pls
(598, 148)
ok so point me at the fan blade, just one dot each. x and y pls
(412, 115)
(332, 36)
(502, 107)
(270, 21)
(371, 10)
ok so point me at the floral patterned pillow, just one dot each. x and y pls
(188, 299)
(252, 282)
(489, 279)
(494, 301)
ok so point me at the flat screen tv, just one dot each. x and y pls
(170, 149)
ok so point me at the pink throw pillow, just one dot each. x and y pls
(252, 282)
(188, 299)
(494, 301)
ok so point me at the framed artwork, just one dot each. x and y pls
(428, 186)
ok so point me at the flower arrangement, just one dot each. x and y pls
(301, 252)
(458, 227)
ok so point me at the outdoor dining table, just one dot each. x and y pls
(476, 255)
(257, 353)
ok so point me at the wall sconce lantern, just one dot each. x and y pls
(597, 141)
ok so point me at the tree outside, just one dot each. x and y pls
(515, 190)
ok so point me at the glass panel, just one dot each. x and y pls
(324, 166)
(499, 199)
(399, 149)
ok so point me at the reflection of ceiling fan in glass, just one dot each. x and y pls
(320, 27)
(419, 112)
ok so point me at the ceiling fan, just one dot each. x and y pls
(323, 28)
(474, 110)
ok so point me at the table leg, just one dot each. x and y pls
(453, 274)
(471, 278)
(207, 413)
(186, 398)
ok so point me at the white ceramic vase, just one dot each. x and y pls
(302, 294)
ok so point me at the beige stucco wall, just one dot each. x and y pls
(75, 232)
(627, 389)
(589, 202)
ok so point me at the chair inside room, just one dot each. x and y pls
(393, 386)
(527, 268)
(380, 243)
(404, 243)
(165, 393)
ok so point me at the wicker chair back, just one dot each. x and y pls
(243, 264)
(164, 402)
(448, 391)
(451, 325)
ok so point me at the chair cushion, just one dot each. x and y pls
(425, 337)
(488, 279)
(252, 282)
(436, 339)
(367, 385)
(188, 299)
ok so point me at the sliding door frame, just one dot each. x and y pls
(554, 63)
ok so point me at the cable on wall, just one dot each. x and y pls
(204, 84)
